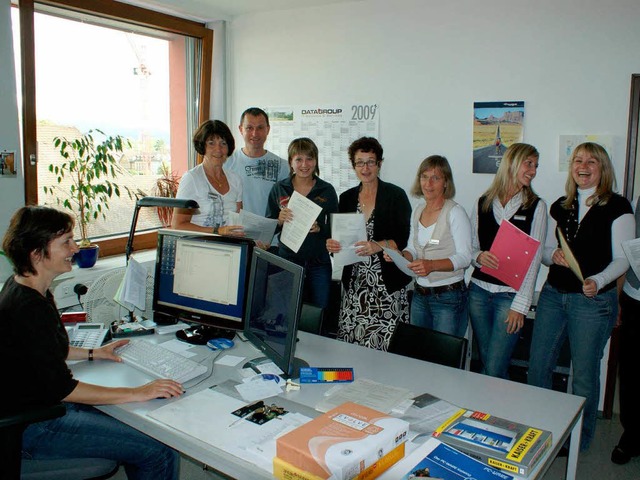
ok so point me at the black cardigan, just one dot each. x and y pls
(392, 222)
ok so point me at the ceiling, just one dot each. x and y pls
(210, 10)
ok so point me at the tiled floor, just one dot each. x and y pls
(596, 462)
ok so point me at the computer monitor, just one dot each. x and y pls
(201, 279)
(273, 310)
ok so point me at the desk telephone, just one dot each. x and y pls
(87, 335)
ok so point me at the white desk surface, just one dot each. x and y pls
(546, 409)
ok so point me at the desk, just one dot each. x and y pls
(560, 413)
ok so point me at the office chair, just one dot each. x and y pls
(430, 345)
(311, 318)
(14, 467)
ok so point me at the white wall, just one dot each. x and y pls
(426, 61)
(11, 188)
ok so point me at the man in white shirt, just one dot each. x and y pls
(258, 168)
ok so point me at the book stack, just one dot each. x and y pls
(348, 442)
(497, 442)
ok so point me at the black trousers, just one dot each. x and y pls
(629, 364)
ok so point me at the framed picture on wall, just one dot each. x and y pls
(496, 125)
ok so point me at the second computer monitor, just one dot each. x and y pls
(273, 309)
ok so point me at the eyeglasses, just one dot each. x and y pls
(212, 143)
(368, 163)
(432, 178)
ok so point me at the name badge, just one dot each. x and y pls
(522, 218)
(434, 241)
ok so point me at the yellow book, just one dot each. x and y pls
(285, 471)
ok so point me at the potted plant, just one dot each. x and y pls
(166, 186)
(90, 168)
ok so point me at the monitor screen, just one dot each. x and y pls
(273, 309)
(201, 279)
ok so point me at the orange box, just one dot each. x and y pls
(343, 442)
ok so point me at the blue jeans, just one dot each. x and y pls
(317, 278)
(446, 312)
(85, 432)
(488, 312)
(588, 323)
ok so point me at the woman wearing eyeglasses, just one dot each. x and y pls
(439, 250)
(216, 191)
(374, 291)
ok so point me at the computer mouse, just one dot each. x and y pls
(220, 343)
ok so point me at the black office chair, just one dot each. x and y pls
(14, 467)
(311, 318)
(430, 345)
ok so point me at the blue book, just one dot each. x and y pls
(438, 461)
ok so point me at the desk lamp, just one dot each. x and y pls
(153, 202)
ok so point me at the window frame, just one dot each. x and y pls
(108, 9)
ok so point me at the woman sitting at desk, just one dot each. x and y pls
(34, 347)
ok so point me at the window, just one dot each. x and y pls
(120, 69)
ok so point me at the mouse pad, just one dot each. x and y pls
(220, 343)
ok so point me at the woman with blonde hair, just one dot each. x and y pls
(497, 310)
(594, 221)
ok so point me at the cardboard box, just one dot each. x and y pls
(343, 442)
(500, 443)
(285, 471)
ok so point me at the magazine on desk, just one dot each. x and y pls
(439, 461)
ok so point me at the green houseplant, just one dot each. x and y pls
(85, 180)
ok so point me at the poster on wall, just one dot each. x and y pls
(8, 167)
(496, 125)
(332, 127)
(568, 142)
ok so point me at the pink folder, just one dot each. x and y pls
(515, 251)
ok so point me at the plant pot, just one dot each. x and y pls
(86, 257)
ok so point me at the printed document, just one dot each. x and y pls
(347, 228)
(260, 229)
(132, 290)
(305, 213)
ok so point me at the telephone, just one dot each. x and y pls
(87, 335)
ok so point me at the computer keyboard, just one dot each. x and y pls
(159, 362)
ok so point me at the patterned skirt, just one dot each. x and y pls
(368, 312)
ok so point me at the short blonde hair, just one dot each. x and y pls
(434, 162)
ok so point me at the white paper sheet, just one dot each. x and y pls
(347, 229)
(132, 291)
(251, 442)
(305, 213)
(260, 229)
(399, 260)
(365, 392)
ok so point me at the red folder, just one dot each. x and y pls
(515, 251)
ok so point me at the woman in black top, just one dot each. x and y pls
(375, 294)
(39, 242)
(594, 221)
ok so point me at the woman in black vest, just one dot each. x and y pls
(594, 221)
(497, 310)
